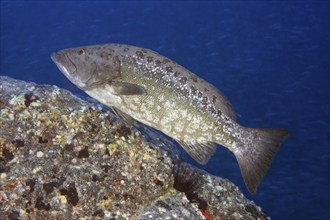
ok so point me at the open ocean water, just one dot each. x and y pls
(270, 58)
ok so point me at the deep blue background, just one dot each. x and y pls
(270, 58)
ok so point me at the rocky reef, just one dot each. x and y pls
(65, 158)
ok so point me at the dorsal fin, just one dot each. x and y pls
(225, 106)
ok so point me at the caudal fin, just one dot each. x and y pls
(256, 154)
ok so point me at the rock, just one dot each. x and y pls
(64, 158)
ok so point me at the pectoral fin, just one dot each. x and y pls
(125, 117)
(124, 88)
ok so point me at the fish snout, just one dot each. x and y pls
(55, 56)
(58, 58)
(64, 63)
(68, 68)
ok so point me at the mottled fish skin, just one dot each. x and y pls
(145, 86)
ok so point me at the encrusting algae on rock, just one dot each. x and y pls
(73, 137)
(64, 158)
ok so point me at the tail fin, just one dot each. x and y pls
(255, 157)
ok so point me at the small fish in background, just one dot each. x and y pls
(142, 85)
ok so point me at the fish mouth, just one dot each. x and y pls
(55, 57)
(67, 67)
(59, 58)
(64, 63)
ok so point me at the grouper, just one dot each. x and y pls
(142, 85)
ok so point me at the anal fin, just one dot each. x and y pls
(199, 151)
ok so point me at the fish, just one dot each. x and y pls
(141, 85)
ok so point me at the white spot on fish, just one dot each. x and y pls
(133, 107)
(161, 97)
(189, 117)
(168, 104)
(204, 128)
(174, 115)
(183, 113)
(136, 100)
(167, 128)
(186, 138)
(179, 126)
(201, 139)
(143, 108)
(150, 101)
(190, 129)
(149, 116)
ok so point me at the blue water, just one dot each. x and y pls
(271, 59)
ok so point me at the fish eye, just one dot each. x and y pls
(81, 52)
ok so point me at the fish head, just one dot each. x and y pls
(88, 67)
